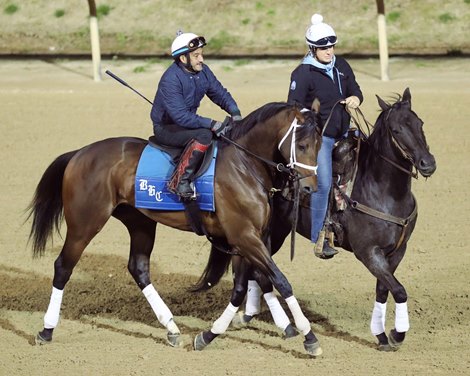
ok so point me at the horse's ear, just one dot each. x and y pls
(407, 95)
(316, 105)
(383, 105)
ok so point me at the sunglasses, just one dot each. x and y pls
(197, 42)
(324, 41)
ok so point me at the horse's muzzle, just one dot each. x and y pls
(427, 166)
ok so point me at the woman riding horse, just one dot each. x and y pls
(375, 225)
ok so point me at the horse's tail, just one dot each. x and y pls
(46, 207)
(216, 267)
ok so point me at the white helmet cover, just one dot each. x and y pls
(186, 42)
(320, 34)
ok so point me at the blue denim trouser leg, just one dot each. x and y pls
(319, 199)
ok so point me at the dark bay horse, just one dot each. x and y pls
(375, 225)
(89, 185)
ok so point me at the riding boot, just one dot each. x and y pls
(324, 246)
(181, 180)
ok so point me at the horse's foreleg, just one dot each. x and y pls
(383, 269)
(280, 282)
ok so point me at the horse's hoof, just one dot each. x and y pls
(313, 348)
(44, 337)
(241, 319)
(386, 347)
(199, 343)
(394, 342)
(174, 339)
(290, 332)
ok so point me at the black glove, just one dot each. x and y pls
(220, 128)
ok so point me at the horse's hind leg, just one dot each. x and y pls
(77, 238)
(142, 233)
(253, 306)
(240, 286)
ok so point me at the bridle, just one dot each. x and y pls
(292, 156)
(401, 149)
(290, 167)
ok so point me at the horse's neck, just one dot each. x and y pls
(260, 145)
(261, 141)
(376, 177)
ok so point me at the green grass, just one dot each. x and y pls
(59, 13)
(241, 62)
(11, 9)
(446, 17)
(103, 10)
(221, 40)
(242, 27)
(393, 16)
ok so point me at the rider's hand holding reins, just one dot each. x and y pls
(352, 102)
(220, 128)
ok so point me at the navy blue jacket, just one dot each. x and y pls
(309, 82)
(179, 95)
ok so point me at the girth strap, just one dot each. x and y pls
(403, 222)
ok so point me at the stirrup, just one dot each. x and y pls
(324, 247)
(187, 193)
(318, 248)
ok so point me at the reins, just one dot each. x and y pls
(278, 166)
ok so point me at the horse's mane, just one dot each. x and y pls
(260, 115)
(376, 137)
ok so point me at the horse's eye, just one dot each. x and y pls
(302, 147)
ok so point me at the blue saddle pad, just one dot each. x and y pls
(153, 173)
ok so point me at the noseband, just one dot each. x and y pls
(292, 157)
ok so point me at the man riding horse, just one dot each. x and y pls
(175, 122)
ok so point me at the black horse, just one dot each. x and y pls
(375, 225)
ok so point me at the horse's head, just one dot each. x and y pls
(299, 145)
(343, 160)
(406, 131)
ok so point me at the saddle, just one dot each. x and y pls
(175, 154)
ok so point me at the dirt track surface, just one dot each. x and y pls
(107, 327)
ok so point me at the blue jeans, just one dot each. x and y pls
(319, 199)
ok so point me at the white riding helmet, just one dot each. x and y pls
(186, 42)
(320, 34)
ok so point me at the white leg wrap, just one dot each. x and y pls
(221, 324)
(402, 322)
(51, 318)
(161, 310)
(280, 318)
(253, 299)
(301, 321)
(172, 327)
(377, 323)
